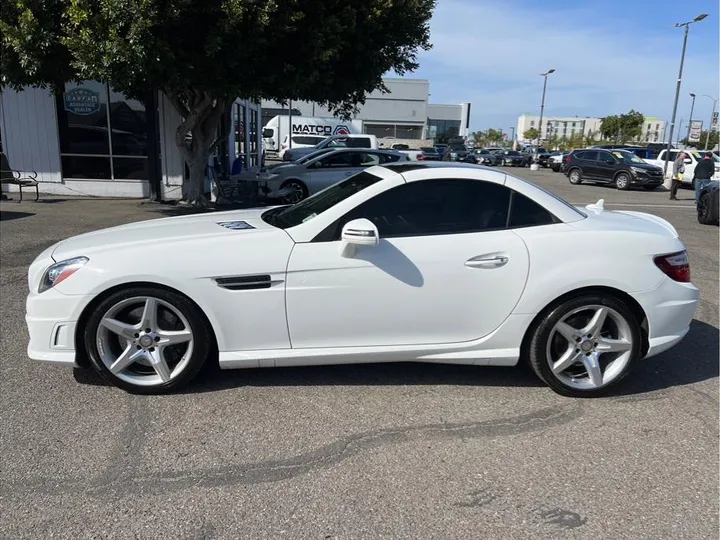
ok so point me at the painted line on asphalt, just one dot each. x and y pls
(642, 205)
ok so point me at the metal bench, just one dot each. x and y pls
(19, 178)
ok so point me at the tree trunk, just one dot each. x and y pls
(197, 135)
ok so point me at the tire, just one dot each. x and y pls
(575, 176)
(707, 212)
(299, 191)
(623, 181)
(116, 330)
(548, 345)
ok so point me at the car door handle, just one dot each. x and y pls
(493, 262)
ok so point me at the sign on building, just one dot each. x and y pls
(695, 130)
(714, 122)
(82, 101)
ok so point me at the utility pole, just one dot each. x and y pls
(692, 108)
(535, 166)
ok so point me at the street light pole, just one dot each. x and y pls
(679, 82)
(709, 129)
(542, 109)
(692, 108)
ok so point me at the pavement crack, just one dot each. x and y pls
(121, 476)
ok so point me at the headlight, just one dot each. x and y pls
(638, 170)
(60, 271)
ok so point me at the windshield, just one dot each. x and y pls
(700, 155)
(285, 217)
(626, 157)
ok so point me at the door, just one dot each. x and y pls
(446, 270)
(605, 166)
(590, 166)
(330, 169)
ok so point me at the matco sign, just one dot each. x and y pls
(82, 101)
(325, 130)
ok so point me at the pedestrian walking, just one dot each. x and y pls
(446, 155)
(677, 175)
(704, 171)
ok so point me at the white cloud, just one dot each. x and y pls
(491, 54)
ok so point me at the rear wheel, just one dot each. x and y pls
(575, 176)
(147, 340)
(585, 345)
(622, 181)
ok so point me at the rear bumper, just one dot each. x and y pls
(670, 309)
(51, 319)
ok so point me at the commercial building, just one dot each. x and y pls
(653, 129)
(404, 112)
(92, 140)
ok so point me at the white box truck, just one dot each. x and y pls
(275, 131)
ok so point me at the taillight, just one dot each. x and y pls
(676, 266)
(420, 157)
(566, 159)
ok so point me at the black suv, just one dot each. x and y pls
(619, 167)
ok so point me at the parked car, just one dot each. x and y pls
(618, 167)
(414, 154)
(555, 159)
(430, 153)
(709, 203)
(300, 180)
(485, 157)
(299, 142)
(513, 158)
(441, 149)
(351, 140)
(691, 159)
(352, 275)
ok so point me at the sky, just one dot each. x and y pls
(609, 57)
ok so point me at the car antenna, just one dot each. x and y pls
(600, 205)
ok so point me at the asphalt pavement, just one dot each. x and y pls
(397, 451)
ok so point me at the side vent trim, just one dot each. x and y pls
(244, 283)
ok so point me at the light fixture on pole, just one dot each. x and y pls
(692, 108)
(535, 166)
(679, 82)
(712, 115)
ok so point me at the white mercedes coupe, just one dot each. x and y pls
(420, 262)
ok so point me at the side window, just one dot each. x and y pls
(605, 157)
(525, 212)
(591, 155)
(387, 158)
(431, 207)
(579, 155)
(359, 142)
(341, 159)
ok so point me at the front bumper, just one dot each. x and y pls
(670, 309)
(51, 319)
(644, 179)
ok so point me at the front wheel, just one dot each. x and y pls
(622, 181)
(297, 191)
(147, 340)
(585, 345)
(707, 212)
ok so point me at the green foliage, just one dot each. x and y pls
(622, 128)
(530, 134)
(203, 54)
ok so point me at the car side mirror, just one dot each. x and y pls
(360, 232)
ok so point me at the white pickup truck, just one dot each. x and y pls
(412, 154)
(691, 159)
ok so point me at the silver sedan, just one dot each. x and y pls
(295, 181)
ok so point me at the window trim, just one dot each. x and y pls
(334, 230)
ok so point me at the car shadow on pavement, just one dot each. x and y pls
(694, 359)
(8, 215)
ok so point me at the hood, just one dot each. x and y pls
(166, 231)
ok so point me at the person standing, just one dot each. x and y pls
(677, 174)
(704, 171)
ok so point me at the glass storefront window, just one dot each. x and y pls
(103, 134)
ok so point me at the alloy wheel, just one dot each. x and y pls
(622, 181)
(297, 192)
(589, 347)
(575, 176)
(144, 341)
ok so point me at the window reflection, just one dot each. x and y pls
(95, 136)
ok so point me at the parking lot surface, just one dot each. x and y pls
(369, 451)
